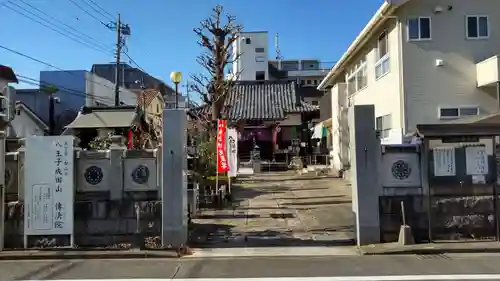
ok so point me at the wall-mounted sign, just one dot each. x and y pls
(49, 185)
(444, 161)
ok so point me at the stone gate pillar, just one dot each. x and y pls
(365, 159)
(174, 183)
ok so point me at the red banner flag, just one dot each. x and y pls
(222, 165)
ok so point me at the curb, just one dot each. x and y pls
(79, 256)
(429, 251)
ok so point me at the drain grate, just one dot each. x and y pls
(433, 257)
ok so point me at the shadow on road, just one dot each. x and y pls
(310, 198)
(221, 236)
(313, 203)
(288, 213)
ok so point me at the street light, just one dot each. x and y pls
(176, 78)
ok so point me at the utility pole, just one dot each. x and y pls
(118, 55)
(52, 121)
(121, 30)
(50, 91)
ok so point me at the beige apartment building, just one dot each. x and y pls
(418, 62)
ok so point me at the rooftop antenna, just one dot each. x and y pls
(277, 47)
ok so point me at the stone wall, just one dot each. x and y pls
(117, 199)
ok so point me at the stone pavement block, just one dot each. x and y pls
(287, 207)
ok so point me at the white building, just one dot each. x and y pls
(254, 64)
(26, 123)
(252, 49)
(419, 62)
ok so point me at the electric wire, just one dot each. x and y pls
(87, 12)
(98, 9)
(50, 27)
(36, 82)
(49, 64)
(88, 41)
(93, 40)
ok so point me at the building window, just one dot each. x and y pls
(260, 59)
(419, 29)
(469, 111)
(259, 50)
(382, 66)
(457, 112)
(384, 125)
(248, 41)
(382, 45)
(477, 27)
(260, 75)
(357, 77)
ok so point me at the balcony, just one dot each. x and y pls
(488, 72)
(302, 68)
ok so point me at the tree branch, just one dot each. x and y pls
(216, 35)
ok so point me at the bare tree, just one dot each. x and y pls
(216, 36)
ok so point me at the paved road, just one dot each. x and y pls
(373, 266)
(274, 210)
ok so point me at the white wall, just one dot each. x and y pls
(247, 64)
(340, 127)
(24, 126)
(454, 84)
(384, 92)
(101, 90)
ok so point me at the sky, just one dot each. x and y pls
(162, 37)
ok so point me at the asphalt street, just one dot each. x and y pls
(256, 267)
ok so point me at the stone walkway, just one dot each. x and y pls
(276, 210)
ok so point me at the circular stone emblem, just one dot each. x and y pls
(94, 175)
(400, 170)
(141, 174)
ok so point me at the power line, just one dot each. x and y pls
(123, 29)
(91, 1)
(118, 26)
(63, 23)
(133, 61)
(48, 64)
(86, 11)
(36, 82)
(98, 9)
(51, 28)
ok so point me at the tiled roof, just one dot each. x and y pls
(149, 95)
(263, 100)
(6, 73)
